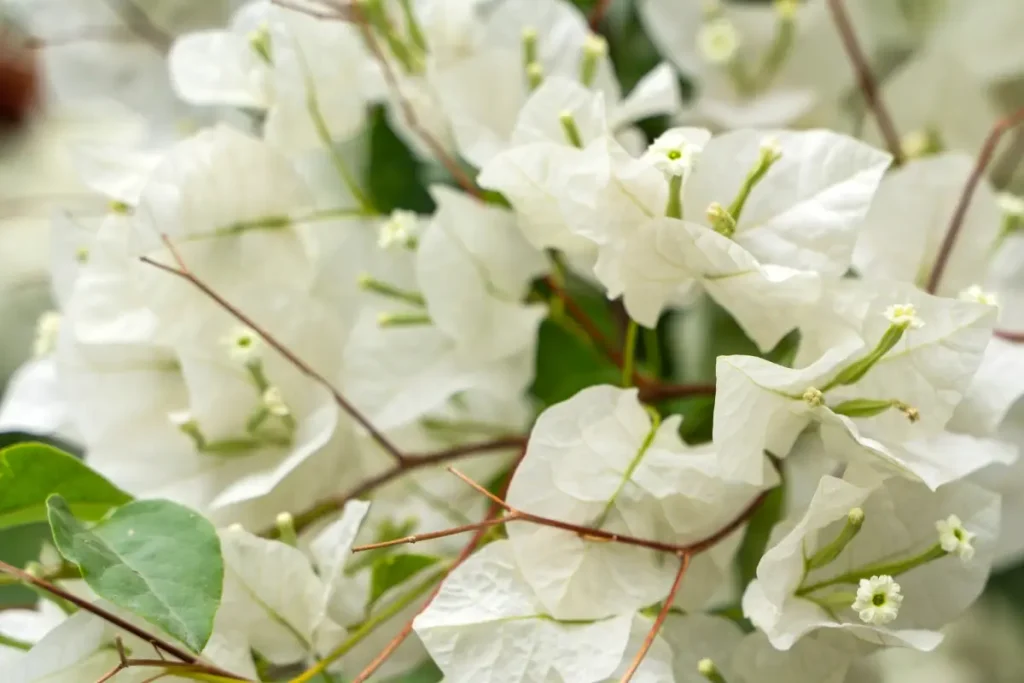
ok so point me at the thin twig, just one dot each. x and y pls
(653, 393)
(956, 223)
(444, 533)
(493, 512)
(585, 321)
(1012, 337)
(866, 80)
(598, 13)
(111, 618)
(183, 272)
(594, 534)
(334, 14)
(407, 110)
(684, 563)
(334, 503)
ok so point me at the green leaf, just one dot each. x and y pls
(759, 530)
(156, 559)
(427, 672)
(31, 472)
(394, 570)
(394, 173)
(567, 363)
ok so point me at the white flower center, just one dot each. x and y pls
(243, 345)
(672, 154)
(400, 230)
(977, 294)
(718, 41)
(814, 397)
(954, 538)
(904, 315)
(878, 600)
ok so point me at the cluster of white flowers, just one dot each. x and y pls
(244, 330)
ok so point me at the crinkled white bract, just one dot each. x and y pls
(899, 523)
(593, 460)
(759, 404)
(223, 68)
(918, 201)
(474, 269)
(806, 211)
(487, 618)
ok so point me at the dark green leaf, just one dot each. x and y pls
(156, 559)
(394, 175)
(566, 363)
(755, 540)
(394, 570)
(31, 472)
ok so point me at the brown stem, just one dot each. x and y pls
(357, 15)
(183, 272)
(492, 513)
(1013, 337)
(598, 13)
(653, 393)
(334, 503)
(418, 538)
(336, 13)
(117, 621)
(593, 534)
(684, 563)
(866, 80)
(956, 223)
(585, 321)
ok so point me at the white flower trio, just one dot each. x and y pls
(247, 333)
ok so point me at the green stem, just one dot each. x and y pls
(893, 569)
(7, 641)
(777, 53)
(652, 350)
(856, 370)
(674, 209)
(629, 353)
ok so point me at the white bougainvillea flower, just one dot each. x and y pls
(912, 390)
(954, 538)
(597, 460)
(898, 528)
(919, 199)
(274, 59)
(470, 330)
(276, 603)
(486, 616)
(34, 401)
(713, 43)
(696, 638)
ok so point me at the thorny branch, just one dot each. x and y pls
(866, 79)
(170, 648)
(956, 223)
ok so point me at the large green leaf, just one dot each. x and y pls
(567, 363)
(31, 472)
(156, 559)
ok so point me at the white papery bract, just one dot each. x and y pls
(899, 524)
(597, 460)
(487, 618)
(925, 375)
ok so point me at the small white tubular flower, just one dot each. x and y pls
(878, 600)
(718, 41)
(1011, 204)
(274, 402)
(673, 153)
(771, 150)
(243, 345)
(904, 315)
(400, 230)
(954, 538)
(977, 294)
(595, 45)
(181, 418)
(47, 330)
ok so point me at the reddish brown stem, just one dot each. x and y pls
(1013, 337)
(866, 79)
(597, 14)
(184, 273)
(684, 563)
(653, 393)
(585, 321)
(444, 533)
(956, 223)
